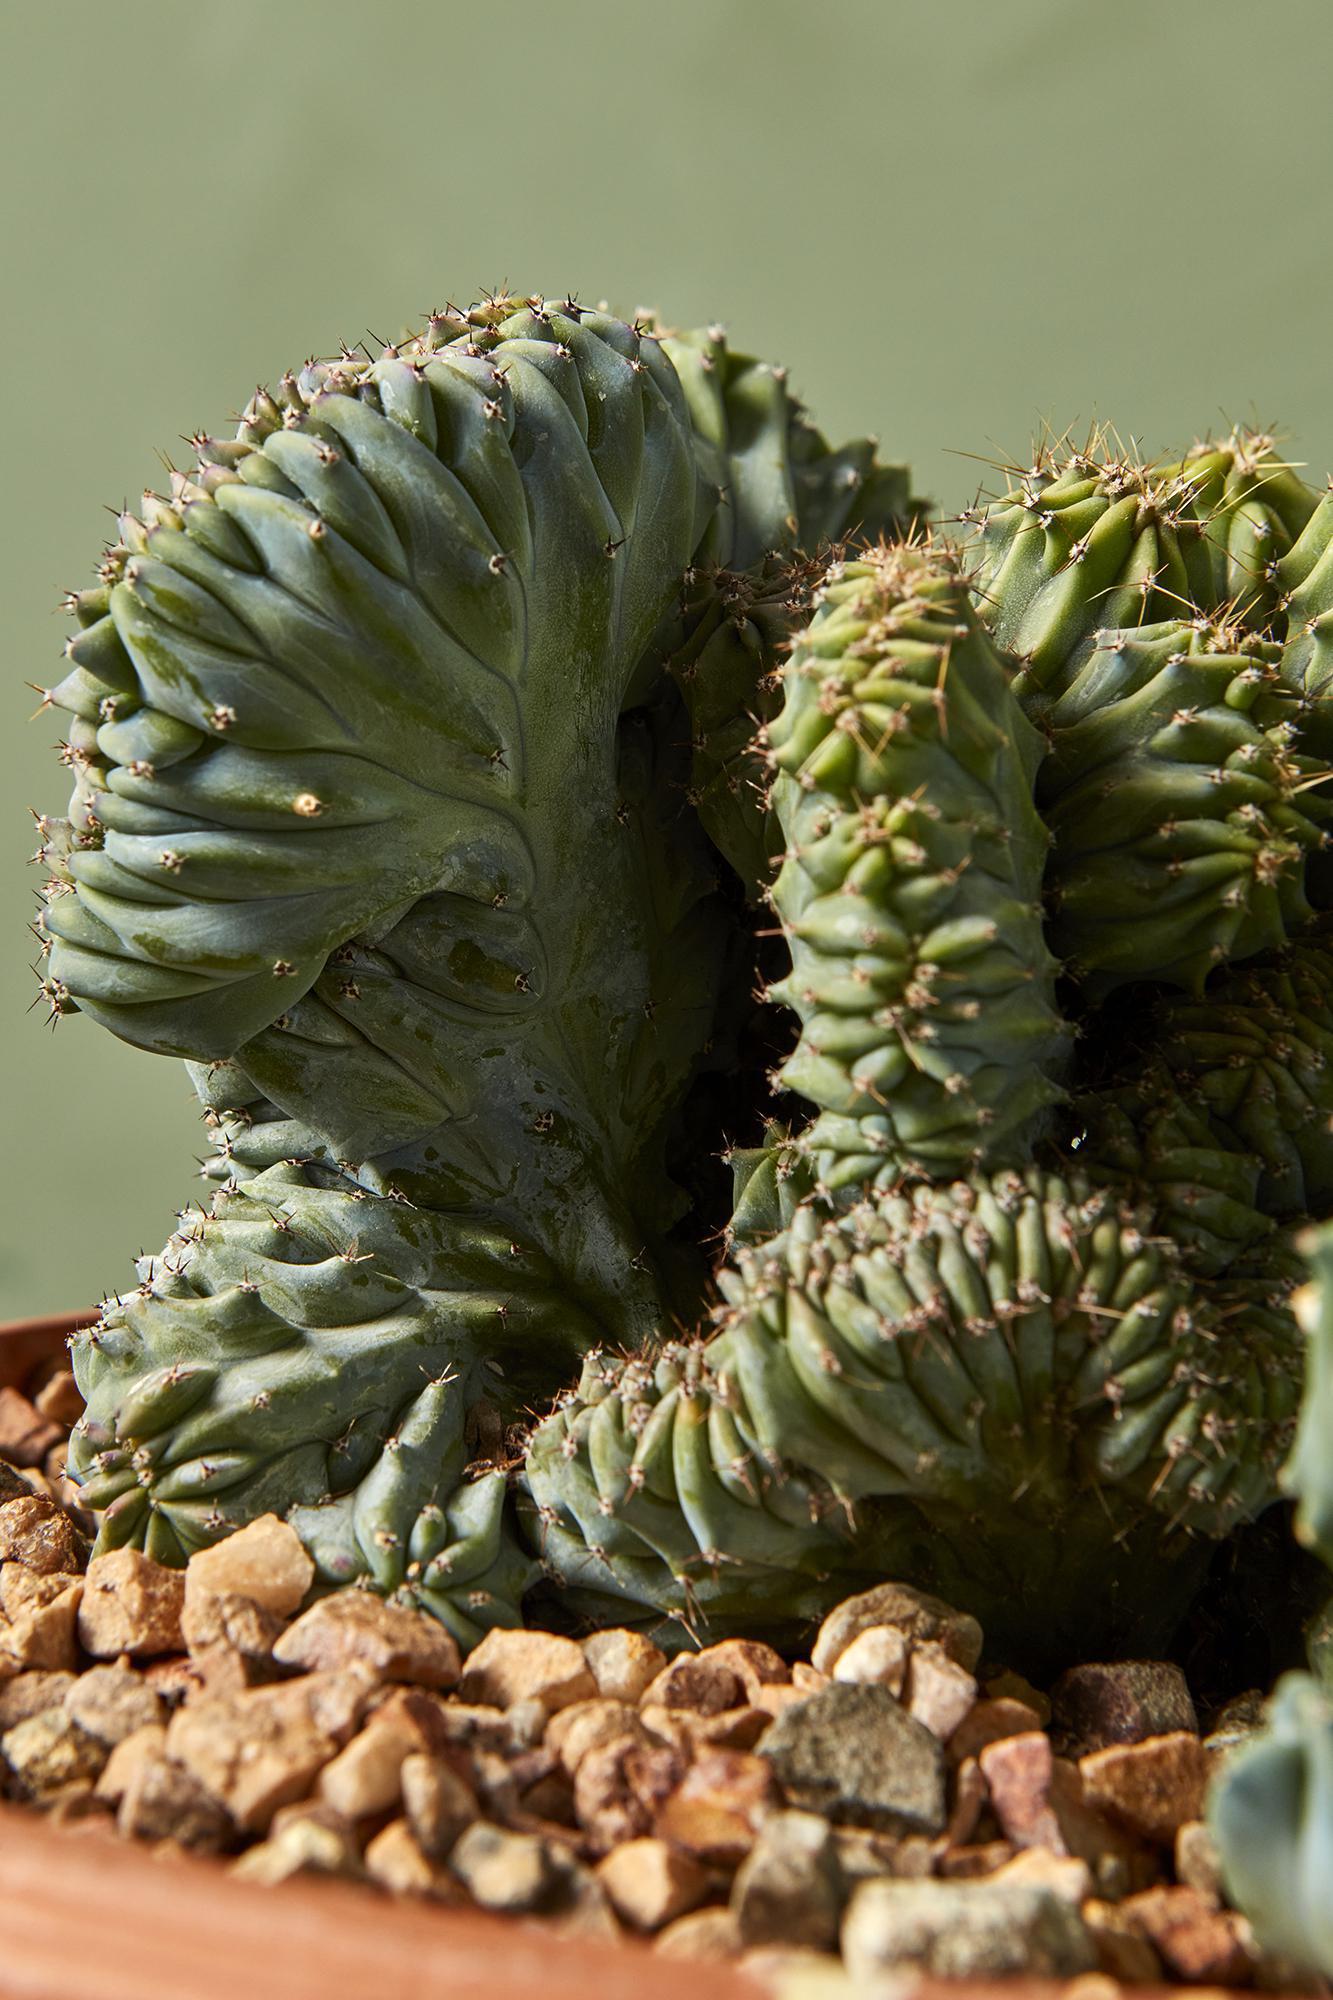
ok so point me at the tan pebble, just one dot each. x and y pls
(261, 1749)
(131, 1604)
(509, 1665)
(573, 1731)
(503, 1870)
(970, 1795)
(175, 1677)
(938, 1692)
(112, 1703)
(735, 1728)
(619, 1787)
(1198, 1863)
(989, 1721)
(876, 1657)
(36, 1532)
(623, 1662)
(576, 1905)
(160, 1800)
(264, 1561)
(717, 1808)
(41, 1632)
(470, 1724)
(356, 1626)
(1195, 1942)
(1151, 1788)
(29, 1692)
(50, 1751)
(396, 1862)
(525, 1723)
(918, 1616)
(366, 1775)
(58, 1400)
(25, 1434)
(755, 1665)
(773, 1700)
(230, 1620)
(696, 1684)
(808, 1679)
(650, 1882)
(706, 1934)
(1063, 1874)
(1019, 1773)
(304, 1846)
(128, 1754)
(438, 1800)
(1123, 1950)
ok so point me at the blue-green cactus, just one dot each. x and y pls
(436, 747)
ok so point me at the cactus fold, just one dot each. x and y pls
(1094, 538)
(910, 889)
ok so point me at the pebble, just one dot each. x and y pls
(718, 1806)
(225, 1618)
(917, 1615)
(854, 1754)
(876, 1657)
(951, 1930)
(112, 1703)
(59, 1400)
(365, 1777)
(264, 1561)
(438, 1800)
(40, 1630)
(36, 1532)
(650, 1882)
(502, 1869)
(1123, 1950)
(131, 1604)
(789, 1889)
(620, 1787)
(261, 1749)
(1063, 1874)
(50, 1751)
(705, 1934)
(160, 1800)
(938, 1693)
(1198, 1863)
(508, 1666)
(991, 1720)
(394, 1859)
(1122, 1701)
(1151, 1787)
(125, 1759)
(25, 1434)
(572, 1732)
(623, 1663)
(30, 1692)
(303, 1846)
(356, 1627)
(703, 1685)
(1196, 1942)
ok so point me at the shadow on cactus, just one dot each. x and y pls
(520, 767)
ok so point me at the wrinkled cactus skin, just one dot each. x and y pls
(487, 752)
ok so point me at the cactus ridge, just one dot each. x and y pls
(1094, 537)
(963, 1357)
(1181, 810)
(910, 887)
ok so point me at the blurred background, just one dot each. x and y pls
(955, 223)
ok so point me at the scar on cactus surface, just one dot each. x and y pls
(522, 765)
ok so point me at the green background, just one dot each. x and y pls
(955, 222)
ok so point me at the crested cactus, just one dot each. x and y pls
(482, 763)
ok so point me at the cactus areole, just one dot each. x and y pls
(520, 768)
